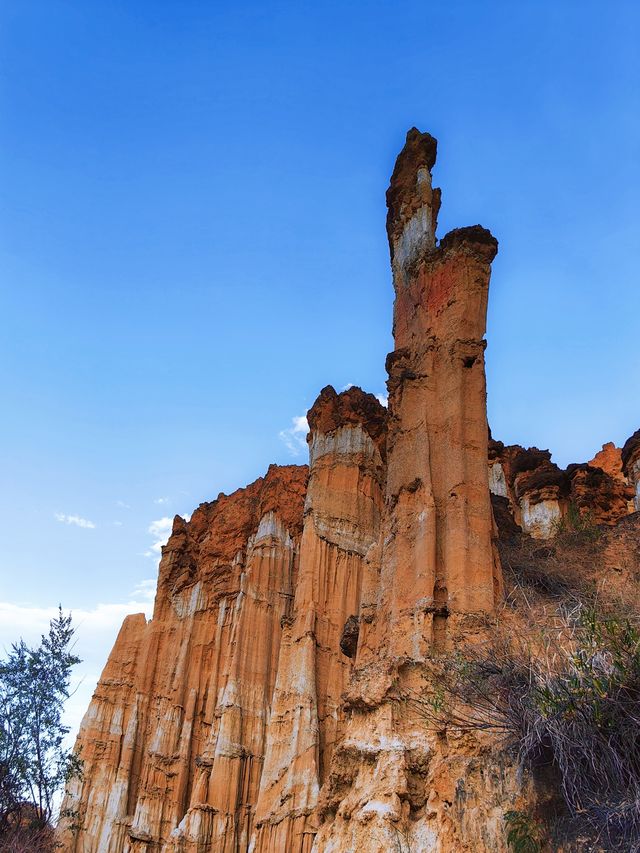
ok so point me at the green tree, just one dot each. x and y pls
(34, 764)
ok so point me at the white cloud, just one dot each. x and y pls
(123, 505)
(347, 386)
(383, 399)
(161, 501)
(295, 437)
(161, 526)
(146, 589)
(160, 530)
(74, 519)
(117, 524)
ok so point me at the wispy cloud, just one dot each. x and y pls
(161, 501)
(145, 590)
(123, 505)
(160, 530)
(73, 519)
(161, 527)
(295, 437)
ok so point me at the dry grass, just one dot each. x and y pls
(26, 840)
(564, 694)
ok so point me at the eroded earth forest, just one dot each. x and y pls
(327, 666)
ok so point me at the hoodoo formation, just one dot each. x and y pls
(264, 707)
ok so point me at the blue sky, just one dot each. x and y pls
(192, 244)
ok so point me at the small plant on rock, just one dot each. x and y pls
(523, 833)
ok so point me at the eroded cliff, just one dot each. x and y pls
(267, 706)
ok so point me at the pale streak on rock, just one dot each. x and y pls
(497, 481)
(540, 520)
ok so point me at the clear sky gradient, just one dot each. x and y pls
(192, 245)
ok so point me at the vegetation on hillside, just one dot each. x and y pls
(568, 700)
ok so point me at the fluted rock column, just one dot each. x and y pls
(108, 739)
(174, 738)
(342, 522)
(439, 557)
(227, 772)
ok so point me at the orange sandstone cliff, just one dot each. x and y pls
(264, 707)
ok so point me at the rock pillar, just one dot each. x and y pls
(438, 556)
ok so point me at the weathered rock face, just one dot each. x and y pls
(212, 726)
(438, 554)
(180, 713)
(631, 465)
(267, 706)
(545, 499)
(609, 459)
(342, 521)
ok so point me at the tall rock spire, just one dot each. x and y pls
(434, 575)
(438, 558)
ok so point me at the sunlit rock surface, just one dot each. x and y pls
(266, 707)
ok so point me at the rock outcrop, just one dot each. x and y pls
(609, 459)
(545, 499)
(268, 706)
(342, 521)
(631, 465)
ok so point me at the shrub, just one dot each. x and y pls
(575, 704)
(579, 522)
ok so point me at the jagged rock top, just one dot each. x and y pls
(474, 238)
(609, 459)
(219, 529)
(353, 406)
(518, 458)
(419, 152)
